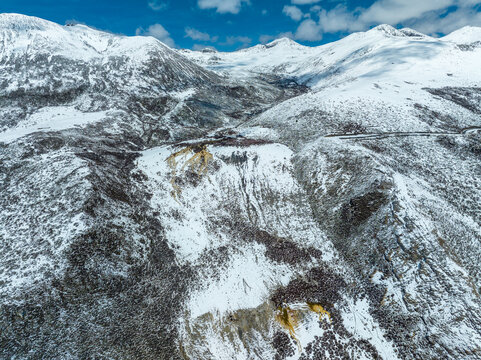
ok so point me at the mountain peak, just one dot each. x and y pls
(19, 22)
(386, 29)
(284, 41)
(392, 31)
(411, 32)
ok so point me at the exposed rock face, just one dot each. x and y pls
(312, 203)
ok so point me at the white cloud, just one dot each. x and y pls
(222, 6)
(304, 2)
(449, 23)
(157, 5)
(309, 30)
(428, 16)
(158, 32)
(396, 11)
(338, 19)
(244, 41)
(293, 12)
(195, 34)
(266, 38)
(238, 39)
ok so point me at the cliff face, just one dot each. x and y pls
(280, 202)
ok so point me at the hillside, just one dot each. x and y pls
(277, 202)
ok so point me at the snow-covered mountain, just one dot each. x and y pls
(278, 202)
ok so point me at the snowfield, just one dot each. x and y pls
(53, 118)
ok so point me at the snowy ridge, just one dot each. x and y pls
(466, 35)
(84, 57)
(359, 54)
(24, 35)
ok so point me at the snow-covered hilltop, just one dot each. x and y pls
(75, 57)
(31, 36)
(278, 202)
(465, 36)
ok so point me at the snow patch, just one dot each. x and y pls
(52, 118)
(361, 324)
(245, 284)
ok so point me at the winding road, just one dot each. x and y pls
(372, 136)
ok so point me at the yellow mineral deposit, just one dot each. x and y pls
(317, 308)
(289, 320)
(197, 163)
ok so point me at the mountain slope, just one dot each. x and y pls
(467, 35)
(279, 202)
(44, 65)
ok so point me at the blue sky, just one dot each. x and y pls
(232, 24)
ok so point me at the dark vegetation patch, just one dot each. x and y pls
(448, 142)
(237, 141)
(338, 344)
(469, 47)
(237, 158)
(470, 145)
(278, 249)
(353, 128)
(284, 250)
(287, 84)
(318, 286)
(218, 260)
(103, 247)
(435, 118)
(149, 112)
(377, 147)
(474, 146)
(361, 208)
(468, 98)
(44, 145)
(399, 327)
(40, 97)
(283, 345)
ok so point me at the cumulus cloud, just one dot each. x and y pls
(158, 32)
(447, 24)
(195, 34)
(396, 11)
(293, 12)
(428, 16)
(157, 5)
(243, 41)
(222, 6)
(309, 30)
(338, 19)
